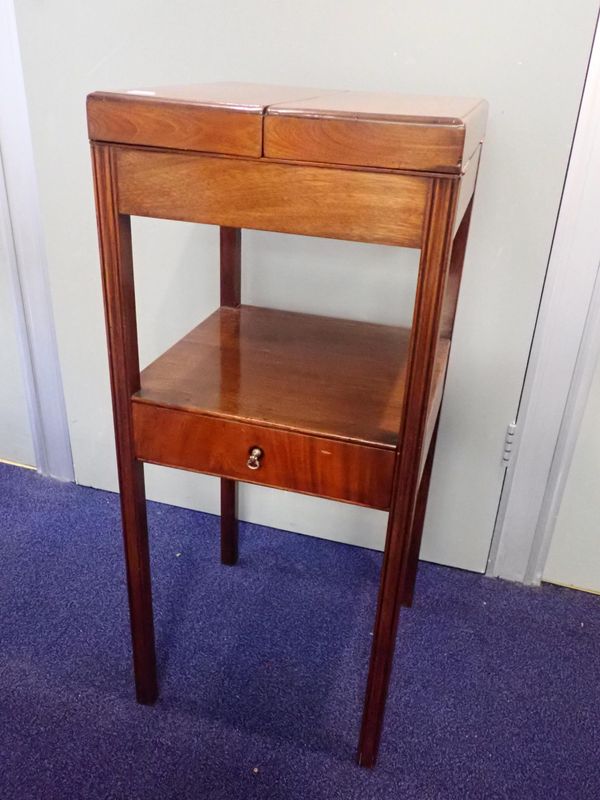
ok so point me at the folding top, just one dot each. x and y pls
(369, 129)
(211, 117)
(374, 129)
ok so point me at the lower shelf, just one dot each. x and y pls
(320, 397)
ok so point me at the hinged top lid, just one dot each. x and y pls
(211, 117)
(371, 129)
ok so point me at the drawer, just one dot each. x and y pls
(354, 473)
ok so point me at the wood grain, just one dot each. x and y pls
(377, 129)
(365, 143)
(254, 376)
(239, 193)
(299, 462)
(336, 378)
(164, 123)
(224, 117)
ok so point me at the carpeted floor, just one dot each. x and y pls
(262, 666)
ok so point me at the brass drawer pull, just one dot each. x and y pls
(254, 458)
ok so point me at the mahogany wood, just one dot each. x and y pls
(348, 382)
(231, 293)
(329, 377)
(434, 134)
(119, 305)
(418, 522)
(230, 240)
(242, 193)
(216, 118)
(363, 128)
(353, 142)
(235, 95)
(423, 346)
(436, 394)
(299, 462)
(162, 123)
(339, 409)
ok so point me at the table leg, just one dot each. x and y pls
(229, 525)
(431, 285)
(416, 533)
(231, 287)
(114, 232)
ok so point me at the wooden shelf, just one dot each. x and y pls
(320, 397)
(335, 378)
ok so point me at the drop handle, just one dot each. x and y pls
(254, 458)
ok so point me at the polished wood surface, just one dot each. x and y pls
(237, 95)
(298, 462)
(436, 394)
(433, 269)
(418, 522)
(230, 247)
(216, 118)
(427, 110)
(119, 305)
(364, 143)
(336, 378)
(335, 408)
(239, 193)
(162, 123)
(339, 127)
(436, 134)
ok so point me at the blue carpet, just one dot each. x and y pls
(262, 668)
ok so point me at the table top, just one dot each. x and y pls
(364, 129)
(253, 98)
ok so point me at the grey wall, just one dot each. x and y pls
(528, 60)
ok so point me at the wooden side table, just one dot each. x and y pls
(335, 408)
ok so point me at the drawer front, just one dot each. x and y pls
(299, 462)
